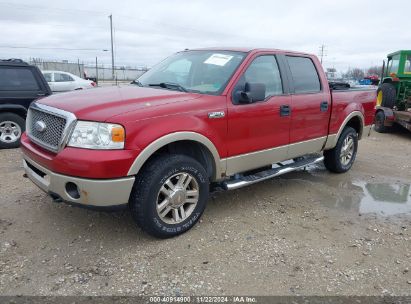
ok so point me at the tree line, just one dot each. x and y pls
(357, 73)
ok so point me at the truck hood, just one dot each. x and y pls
(101, 104)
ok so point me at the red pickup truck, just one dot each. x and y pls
(200, 118)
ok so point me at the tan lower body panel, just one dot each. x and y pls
(93, 192)
(333, 138)
(254, 160)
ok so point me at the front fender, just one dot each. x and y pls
(175, 137)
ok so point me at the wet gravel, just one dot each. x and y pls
(306, 233)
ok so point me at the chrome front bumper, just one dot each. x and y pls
(82, 191)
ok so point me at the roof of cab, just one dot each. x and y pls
(247, 50)
(398, 52)
(13, 61)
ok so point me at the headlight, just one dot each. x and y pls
(96, 135)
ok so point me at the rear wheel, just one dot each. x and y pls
(169, 195)
(386, 95)
(11, 128)
(341, 158)
(379, 122)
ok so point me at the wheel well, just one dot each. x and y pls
(19, 112)
(356, 124)
(192, 149)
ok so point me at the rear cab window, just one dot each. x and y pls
(17, 79)
(304, 74)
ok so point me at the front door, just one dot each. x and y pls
(259, 132)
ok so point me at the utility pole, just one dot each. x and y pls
(112, 46)
(322, 53)
(79, 69)
(96, 72)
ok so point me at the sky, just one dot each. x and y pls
(355, 33)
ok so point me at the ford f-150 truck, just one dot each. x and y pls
(227, 117)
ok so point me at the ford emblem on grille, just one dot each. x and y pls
(40, 126)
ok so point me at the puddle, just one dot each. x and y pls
(344, 193)
(385, 198)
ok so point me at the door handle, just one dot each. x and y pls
(324, 106)
(285, 110)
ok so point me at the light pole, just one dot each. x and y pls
(112, 46)
(97, 67)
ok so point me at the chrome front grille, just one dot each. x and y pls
(54, 128)
(48, 127)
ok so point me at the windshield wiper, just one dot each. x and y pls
(169, 85)
(137, 83)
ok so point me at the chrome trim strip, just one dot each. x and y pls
(70, 118)
(213, 115)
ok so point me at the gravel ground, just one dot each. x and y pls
(306, 233)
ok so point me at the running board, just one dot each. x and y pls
(281, 168)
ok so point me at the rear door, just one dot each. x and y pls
(310, 106)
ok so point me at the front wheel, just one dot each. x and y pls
(341, 158)
(169, 195)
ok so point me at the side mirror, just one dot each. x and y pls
(252, 92)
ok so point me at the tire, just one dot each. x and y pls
(388, 95)
(379, 122)
(147, 196)
(334, 160)
(11, 128)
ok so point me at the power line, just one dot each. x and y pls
(25, 6)
(67, 24)
(134, 18)
(47, 48)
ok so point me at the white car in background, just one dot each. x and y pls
(62, 81)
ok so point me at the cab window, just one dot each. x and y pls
(17, 79)
(407, 67)
(59, 77)
(393, 64)
(264, 69)
(304, 73)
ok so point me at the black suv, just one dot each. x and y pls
(20, 85)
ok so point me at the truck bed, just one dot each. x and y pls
(342, 100)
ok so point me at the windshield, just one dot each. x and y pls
(205, 72)
(393, 64)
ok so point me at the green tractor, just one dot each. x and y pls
(394, 93)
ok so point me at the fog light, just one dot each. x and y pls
(72, 190)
